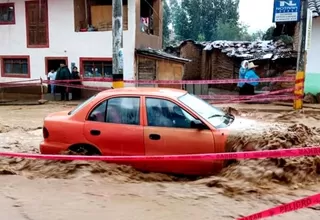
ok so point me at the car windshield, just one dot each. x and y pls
(80, 106)
(214, 116)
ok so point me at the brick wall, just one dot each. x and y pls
(192, 69)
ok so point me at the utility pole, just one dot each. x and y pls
(117, 55)
(302, 57)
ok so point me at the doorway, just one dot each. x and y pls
(54, 63)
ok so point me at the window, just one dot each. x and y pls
(95, 67)
(15, 67)
(149, 16)
(118, 110)
(96, 15)
(7, 13)
(99, 113)
(214, 116)
(163, 113)
(37, 24)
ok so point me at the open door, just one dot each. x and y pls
(54, 63)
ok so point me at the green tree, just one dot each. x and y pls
(258, 35)
(269, 33)
(165, 23)
(232, 30)
(206, 19)
(181, 22)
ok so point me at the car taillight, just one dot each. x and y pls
(45, 132)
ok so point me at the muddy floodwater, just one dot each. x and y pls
(52, 190)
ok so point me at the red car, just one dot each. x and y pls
(141, 121)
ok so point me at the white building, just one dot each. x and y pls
(36, 35)
(312, 83)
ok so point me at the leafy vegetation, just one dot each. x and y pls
(206, 20)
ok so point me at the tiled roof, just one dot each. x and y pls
(253, 50)
(247, 50)
(314, 6)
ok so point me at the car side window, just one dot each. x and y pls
(124, 110)
(163, 113)
(99, 113)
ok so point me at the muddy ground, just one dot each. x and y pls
(38, 190)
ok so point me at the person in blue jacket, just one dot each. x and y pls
(242, 73)
(249, 87)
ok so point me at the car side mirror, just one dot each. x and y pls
(198, 125)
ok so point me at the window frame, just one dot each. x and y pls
(88, 17)
(82, 60)
(196, 117)
(3, 74)
(9, 4)
(106, 109)
(46, 45)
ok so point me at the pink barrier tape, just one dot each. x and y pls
(293, 152)
(275, 98)
(82, 87)
(247, 97)
(220, 81)
(288, 207)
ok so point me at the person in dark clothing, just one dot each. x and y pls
(63, 74)
(76, 92)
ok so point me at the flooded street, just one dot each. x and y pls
(53, 190)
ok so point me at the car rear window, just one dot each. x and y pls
(80, 106)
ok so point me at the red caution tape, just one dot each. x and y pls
(289, 207)
(219, 81)
(294, 152)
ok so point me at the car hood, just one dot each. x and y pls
(250, 134)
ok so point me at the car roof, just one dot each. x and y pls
(167, 92)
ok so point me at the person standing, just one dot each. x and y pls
(249, 87)
(242, 73)
(75, 75)
(51, 77)
(63, 74)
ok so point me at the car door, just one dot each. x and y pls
(168, 132)
(114, 126)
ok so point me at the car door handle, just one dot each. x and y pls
(154, 137)
(95, 132)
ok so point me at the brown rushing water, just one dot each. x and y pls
(35, 189)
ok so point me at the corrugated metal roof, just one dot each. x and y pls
(248, 50)
(253, 50)
(314, 6)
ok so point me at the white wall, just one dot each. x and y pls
(313, 53)
(63, 40)
(312, 82)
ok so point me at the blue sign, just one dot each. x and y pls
(286, 10)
